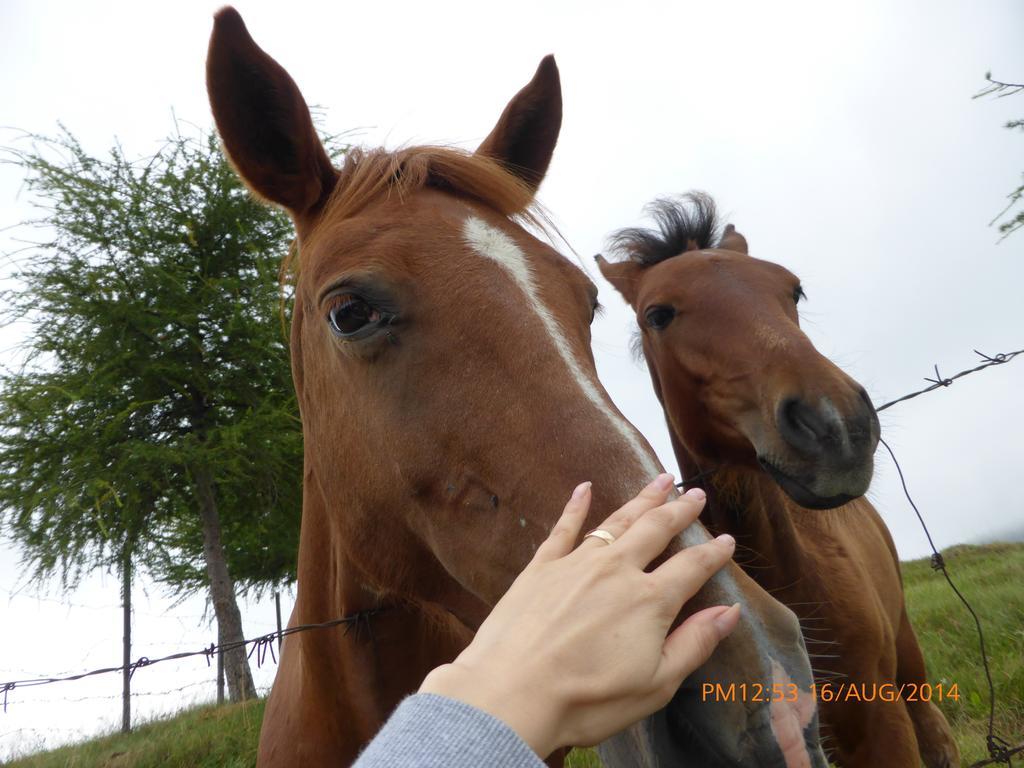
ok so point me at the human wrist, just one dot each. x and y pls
(515, 702)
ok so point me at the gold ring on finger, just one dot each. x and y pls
(603, 535)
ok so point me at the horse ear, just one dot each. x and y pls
(524, 138)
(733, 240)
(264, 121)
(623, 275)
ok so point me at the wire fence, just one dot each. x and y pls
(199, 684)
(1000, 750)
(116, 696)
(260, 647)
(940, 381)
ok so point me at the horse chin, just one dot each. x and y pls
(680, 741)
(664, 739)
(802, 490)
(690, 732)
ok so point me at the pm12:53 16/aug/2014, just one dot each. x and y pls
(828, 691)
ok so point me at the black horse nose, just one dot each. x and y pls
(810, 430)
(866, 399)
(821, 431)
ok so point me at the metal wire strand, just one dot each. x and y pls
(998, 748)
(260, 645)
(939, 381)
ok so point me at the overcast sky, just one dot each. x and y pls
(841, 140)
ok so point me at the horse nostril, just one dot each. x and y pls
(802, 426)
(866, 398)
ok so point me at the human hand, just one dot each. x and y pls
(576, 650)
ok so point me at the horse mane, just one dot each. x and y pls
(368, 175)
(685, 222)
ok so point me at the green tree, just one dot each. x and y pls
(1011, 221)
(152, 419)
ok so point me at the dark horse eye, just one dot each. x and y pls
(351, 314)
(659, 317)
(798, 293)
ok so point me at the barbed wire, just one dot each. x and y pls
(940, 381)
(999, 750)
(260, 689)
(936, 383)
(111, 697)
(261, 646)
(1004, 756)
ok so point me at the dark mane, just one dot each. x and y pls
(683, 223)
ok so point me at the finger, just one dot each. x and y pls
(621, 519)
(693, 642)
(651, 533)
(563, 535)
(683, 574)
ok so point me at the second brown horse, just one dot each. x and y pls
(785, 435)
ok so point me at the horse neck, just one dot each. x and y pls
(748, 505)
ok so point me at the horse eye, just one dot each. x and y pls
(350, 314)
(659, 317)
(594, 310)
(798, 293)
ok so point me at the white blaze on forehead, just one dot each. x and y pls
(493, 244)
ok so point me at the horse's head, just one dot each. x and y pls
(740, 382)
(441, 355)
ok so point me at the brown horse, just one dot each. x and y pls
(783, 433)
(441, 356)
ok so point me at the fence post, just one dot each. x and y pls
(220, 676)
(126, 602)
(277, 603)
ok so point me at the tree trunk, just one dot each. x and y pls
(222, 591)
(126, 602)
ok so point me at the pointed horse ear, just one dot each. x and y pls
(264, 121)
(733, 240)
(623, 275)
(526, 133)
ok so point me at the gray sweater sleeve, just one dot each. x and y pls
(431, 731)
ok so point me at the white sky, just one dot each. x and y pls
(841, 140)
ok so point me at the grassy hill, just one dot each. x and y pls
(991, 576)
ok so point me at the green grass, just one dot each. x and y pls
(990, 576)
(204, 737)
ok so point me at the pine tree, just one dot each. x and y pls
(1012, 219)
(152, 419)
